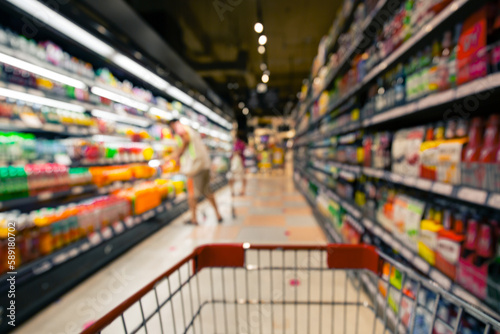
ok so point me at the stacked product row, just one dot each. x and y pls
(41, 232)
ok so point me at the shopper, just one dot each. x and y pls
(237, 168)
(195, 163)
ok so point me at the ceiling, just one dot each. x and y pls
(216, 38)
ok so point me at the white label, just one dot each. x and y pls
(420, 264)
(107, 233)
(494, 201)
(368, 224)
(60, 258)
(95, 238)
(85, 246)
(73, 252)
(45, 196)
(395, 178)
(423, 184)
(441, 279)
(145, 216)
(397, 246)
(53, 127)
(160, 209)
(77, 190)
(442, 188)
(42, 268)
(386, 237)
(118, 227)
(103, 190)
(137, 220)
(73, 129)
(129, 221)
(62, 159)
(377, 231)
(407, 254)
(168, 206)
(462, 293)
(472, 195)
(409, 181)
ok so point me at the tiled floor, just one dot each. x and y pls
(271, 212)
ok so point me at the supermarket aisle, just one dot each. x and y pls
(272, 211)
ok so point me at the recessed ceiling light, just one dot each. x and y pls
(241, 105)
(245, 111)
(261, 88)
(265, 78)
(262, 39)
(258, 27)
(261, 49)
(263, 67)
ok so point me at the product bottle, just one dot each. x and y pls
(484, 251)
(434, 67)
(471, 236)
(472, 149)
(491, 136)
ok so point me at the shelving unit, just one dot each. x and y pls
(320, 135)
(51, 276)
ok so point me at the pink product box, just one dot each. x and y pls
(472, 277)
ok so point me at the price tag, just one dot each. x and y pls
(409, 181)
(462, 293)
(62, 159)
(407, 254)
(77, 190)
(377, 231)
(40, 269)
(60, 258)
(396, 178)
(137, 220)
(368, 224)
(442, 188)
(145, 216)
(129, 222)
(45, 196)
(73, 129)
(73, 252)
(53, 127)
(472, 195)
(95, 238)
(421, 265)
(168, 206)
(387, 238)
(107, 233)
(103, 190)
(494, 201)
(160, 209)
(85, 247)
(118, 227)
(441, 279)
(423, 184)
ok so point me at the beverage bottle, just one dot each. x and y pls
(434, 67)
(485, 249)
(471, 236)
(491, 136)
(472, 149)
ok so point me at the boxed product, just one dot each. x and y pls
(406, 151)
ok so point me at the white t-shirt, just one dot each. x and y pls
(196, 156)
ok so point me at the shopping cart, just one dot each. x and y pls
(292, 289)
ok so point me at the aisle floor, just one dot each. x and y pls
(272, 211)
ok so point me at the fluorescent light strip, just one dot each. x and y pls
(63, 25)
(41, 71)
(13, 94)
(161, 113)
(73, 31)
(119, 98)
(121, 118)
(140, 71)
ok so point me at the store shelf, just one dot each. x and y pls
(396, 55)
(400, 247)
(51, 276)
(58, 129)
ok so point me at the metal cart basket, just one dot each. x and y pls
(243, 288)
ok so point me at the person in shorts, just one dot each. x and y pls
(195, 163)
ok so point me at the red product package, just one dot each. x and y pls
(472, 57)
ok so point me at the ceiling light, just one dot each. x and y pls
(265, 78)
(13, 94)
(119, 98)
(263, 67)
(261, 49)
(241, 105)
(262, 39)
(43, 72)
(161, 113)
(121, 118)
(63, 25)
(258, 27)
(267, 72)
(245, 111)
(139, 71)
(261, 88)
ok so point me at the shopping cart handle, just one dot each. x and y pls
(338, 256)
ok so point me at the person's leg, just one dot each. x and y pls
(244, 185)
(231, 185)
(209, 195)
(192, 200)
